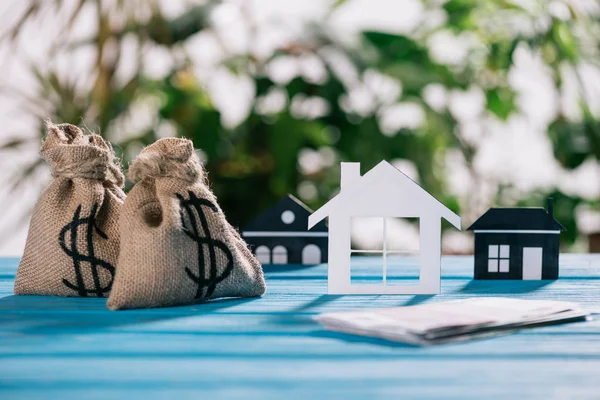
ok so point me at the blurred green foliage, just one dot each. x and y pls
(254, 163)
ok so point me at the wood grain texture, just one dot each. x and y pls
(269, 348)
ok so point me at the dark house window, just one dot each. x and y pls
(263, 254)
(498, 257)
(280, 255)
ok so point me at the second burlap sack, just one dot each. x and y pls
(176, 245)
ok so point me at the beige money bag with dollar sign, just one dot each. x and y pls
(176, 245)
(73, 240)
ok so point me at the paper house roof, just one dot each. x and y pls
(273, 219)
(389, 184)
(525, 219)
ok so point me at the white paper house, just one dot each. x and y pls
(384, 191)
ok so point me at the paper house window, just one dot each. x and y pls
(287, 217)
(377, 241)
(263, 254)
(498, 258)
(311, 254)
(280, 255)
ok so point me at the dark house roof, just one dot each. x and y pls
(516, 219)
(271, 219)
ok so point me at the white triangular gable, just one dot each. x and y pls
(385, 187)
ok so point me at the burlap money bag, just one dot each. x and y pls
(176, 245)
(73, 241)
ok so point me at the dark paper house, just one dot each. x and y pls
(280, 235)
(517, 243)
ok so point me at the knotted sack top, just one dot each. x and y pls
(169, 157)
(72, 154)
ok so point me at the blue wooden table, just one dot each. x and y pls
(269, 348)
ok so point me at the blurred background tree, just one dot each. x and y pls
(315, 97)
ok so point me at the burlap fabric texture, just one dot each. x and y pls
(176, 245)
(73, 241)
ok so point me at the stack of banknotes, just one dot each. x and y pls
(452, 321)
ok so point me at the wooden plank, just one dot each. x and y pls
(270, 347)
(290, 379)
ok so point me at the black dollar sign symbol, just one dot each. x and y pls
(196, 203)
(79, 258)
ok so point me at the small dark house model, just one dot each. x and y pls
(280, 235)
(517, 243)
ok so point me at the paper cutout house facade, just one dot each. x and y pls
(384, 191)
(280, 235)
(517, 243)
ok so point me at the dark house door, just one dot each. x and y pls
(532, 263)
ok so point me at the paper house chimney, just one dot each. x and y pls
(350, 174)
(550, 207)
